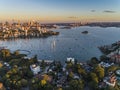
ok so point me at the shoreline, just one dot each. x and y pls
(39, 68)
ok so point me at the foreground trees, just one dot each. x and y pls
(16, 74)
(76, 85)
(99, 71)
(5, 54)
(37, 84)
(13, 79)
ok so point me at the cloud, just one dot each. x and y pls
(109, 11)
(93, 10)
(72, 17)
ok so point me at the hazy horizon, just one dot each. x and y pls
(50, 11)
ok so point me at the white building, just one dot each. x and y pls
(35, 69)
(72, 60)
(105, 65)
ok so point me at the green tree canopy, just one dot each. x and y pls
(76, 85)
(99, 71)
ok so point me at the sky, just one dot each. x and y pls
(60, 10)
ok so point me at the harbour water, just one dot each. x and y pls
(69, 43)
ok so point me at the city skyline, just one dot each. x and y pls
(60, 11)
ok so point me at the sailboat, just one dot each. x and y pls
(54, 43)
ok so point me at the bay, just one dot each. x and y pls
(69, 43)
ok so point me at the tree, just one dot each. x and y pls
(58, 66)
(48, 87)
(14, 70)
(34, 80)
(5, 53)
(59, 88)
(76, 85)
(35, 87)
(24, 82)
(70, 76)
(18, 85)
(104, 58)
(99, 71)
(93, 61)
(35, 84)
(35, 59)
(112, 68)
(93, 85)
(8, 82)
(3, 71)
(81, 71)
(43, 83)
(30, 74)
(43, 64)
(93, 77)
(69, 65)
(16, 53)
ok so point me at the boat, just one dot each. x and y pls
(84, 32)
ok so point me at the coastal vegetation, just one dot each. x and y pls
(16, 73)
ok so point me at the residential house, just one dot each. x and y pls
(35, 68)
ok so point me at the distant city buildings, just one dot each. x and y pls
(28, 29)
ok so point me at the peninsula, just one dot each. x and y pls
(24, 30)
